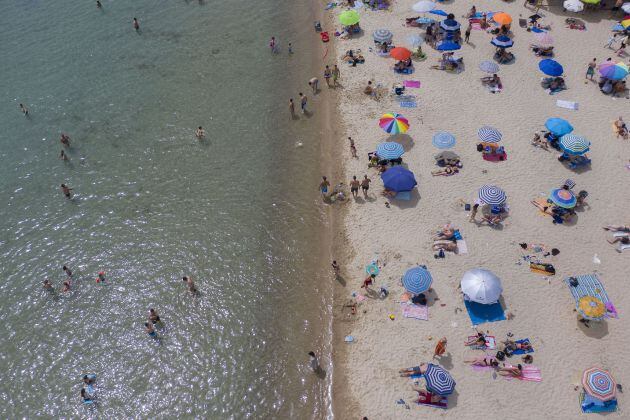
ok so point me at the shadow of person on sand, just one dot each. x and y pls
(341, 280)
(446, 360)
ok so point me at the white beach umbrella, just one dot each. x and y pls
(423, 6)
(626, 7)
(481, 286)
(573, 5)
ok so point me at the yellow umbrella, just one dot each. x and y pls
(502, 18)
(591, 307)
(625, 23)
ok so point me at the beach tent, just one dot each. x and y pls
(398, 179)
(417, 280)
(481, 286)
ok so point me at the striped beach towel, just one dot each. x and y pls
(589, 285)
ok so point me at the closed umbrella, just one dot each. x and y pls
(481, 286)
(563, 198)
(449, 25)
(448, 46)
(390, 150)
(417, 280)
(423, 6)
(489, 66)
(443, 140)
(398, 179)
(489, 134)
(439, 381)
(558, 126)
(550, 67)
(492, 195)
(502, 18)
(502, 41)
(574, 145)
(614, 71)
(574, 6)
(349, 17)
(382, 35)
(599, 384)
(393, 123)
(400, 53)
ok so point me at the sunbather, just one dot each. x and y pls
(484, 360)
(424, 396)
(512, 345)
(445, 245)
(620, 128)
(447, 232)
(624, 240)
(479, 340)
(514, 371)
(447, 171)
(503, 56)
(492, 219)
(414, 370)
(540, 142)
(617, 228)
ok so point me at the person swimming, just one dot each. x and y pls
(101, 277)
(87, 399)
(65, 139)
(48, 286)
(191, 285)
(154, 317)
(67, 191)
(66, 286)
(149, 330)
(200, 133)
(67, 271)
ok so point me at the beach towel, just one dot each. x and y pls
(480, 313)
(491, 342)
(411, 83)
(443, 403)
(361, 298)
(593, 405)
(567, 104)
(462, 248)
(522, 23)
(590, 285)
(521, 351)
(403, 195)
(541, 204)
(494, 157)
(530, 374)
(481, 368)
(408, 104)
(415, 311)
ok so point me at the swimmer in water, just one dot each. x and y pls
(66, 191)
(149, 329)
(65, 139)
(24, 110)
(48, 286)
(98, 4)
(191, 285)
(88, 380)
(101, 277)
(136, 24)
(63, 156)
(200, 133)
(154, 317)
(67, 271)
(66, 286)
(86, 398)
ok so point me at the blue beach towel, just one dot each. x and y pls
(593, 405)
(408, 104)
(521, 351)
(480, 313)
(403, 195)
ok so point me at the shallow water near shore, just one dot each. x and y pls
(236, 211)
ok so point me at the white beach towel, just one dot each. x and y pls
(567, 104)
(462, 248)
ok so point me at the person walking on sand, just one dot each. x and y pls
(24, 110)
(336, 75)
(291, 107)
(66, 191)
(473, 213)
(327, 75)
(272, 44)
(590, 70)
(467, 34)
(440, 347)
(323, 186)
(354, 186)
(353, 149)
(336, 268)
(136, 25)
(314, 84)
(303, 102)
(365, 185)
(611, 41)
(314, 362)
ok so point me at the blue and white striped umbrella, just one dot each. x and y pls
(382, 35)
(389, 150)
(449, 25)
(574, 145)
(492, 195)
(439, 381)
(489, 67)
(417, 280)
(489, 134)
(502, 41)
(443, 140)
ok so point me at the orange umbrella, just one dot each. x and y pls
(502, 18)
(400, 53)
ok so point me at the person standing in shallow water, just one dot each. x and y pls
(66, 191)
(291, 107)
(136, 25)
(24, 110)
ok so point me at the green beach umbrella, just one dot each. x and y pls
(349, 17)
(591, 1)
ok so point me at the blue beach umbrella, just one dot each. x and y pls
(502, 41)
(382, 35)
(439, 381)
(489, 134)
(537, 30)
(417, 280)
(574, 145)
(443, 140)
(489, 66)
(398, 179)
(492, 195)
(449, 25)
(372, 269)
(439, 12)
(563, 198)
(558, 126)
(389, 150)
(550, 67)
(448, 46)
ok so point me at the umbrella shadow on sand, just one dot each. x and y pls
(405, 140)
(407, 204)
(593, 329)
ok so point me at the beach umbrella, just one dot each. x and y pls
(449, 25)
(382, 35)
(372, 269)
(398, 179)
(489, 134)
(599, 383)
(550, 67)
(563, 198)
(349, 17)
(400, 53)
(415, 40)
(423, 6)
(448, 46)
(443, 140)
(558, 127)
(626, 7)
(439, 12)
(492, 195)
(439, 381)
(591, 308)
(574, 145)
(625, 23)
(417, 280)
(614, 71)
(543, 39)
(481, 286)
(446, 155)
(502, 18)
(394, 123)
(489, 66)
(502, 41)
(591, 1)
(390, 150)
(574, 6)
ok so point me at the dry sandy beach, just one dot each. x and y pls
(366, 371)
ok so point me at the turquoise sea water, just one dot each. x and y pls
(237, 211)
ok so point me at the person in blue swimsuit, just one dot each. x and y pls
(86, 398)
(149, 329)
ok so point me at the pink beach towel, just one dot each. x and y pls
(530, 373)
(481, 368)
(411, 83)
(415, 311)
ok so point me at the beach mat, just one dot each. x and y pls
(408, 104)
(415, 311)
(480, 313)
(521, 351)
(589, 285)
(593, 405)
(567, 104)
(495, 157)
(462, 248)
(411, 83)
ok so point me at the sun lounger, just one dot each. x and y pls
(522, 351)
